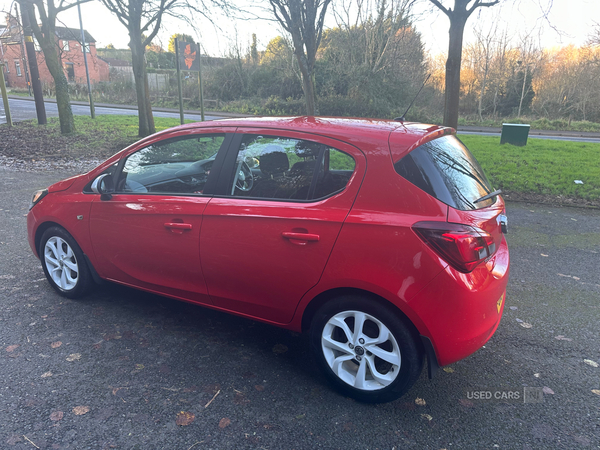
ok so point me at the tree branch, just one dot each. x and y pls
(441, 7)
(482, 4)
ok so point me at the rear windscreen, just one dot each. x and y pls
(446, 169)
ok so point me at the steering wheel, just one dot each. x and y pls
(244, 179)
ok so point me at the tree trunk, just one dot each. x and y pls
(63, 101)
(145, 118)
(452, 94)
(308, 86)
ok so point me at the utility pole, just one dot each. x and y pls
(179, 90)
(33, 68)
(25, 66)
(87, 71)
(4, 95)
(201, 85)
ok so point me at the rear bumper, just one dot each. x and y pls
(462, 311)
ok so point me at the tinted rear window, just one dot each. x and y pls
(446, 169)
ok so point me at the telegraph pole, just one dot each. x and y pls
(87, 71)
(5, 96)
(36, 84)
(25, 66)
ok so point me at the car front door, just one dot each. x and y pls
(147, 235)
(266, 239)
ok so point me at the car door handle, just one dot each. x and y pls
(300, 238)
(178, 226)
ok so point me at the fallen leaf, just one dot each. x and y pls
(184, 418)
(525, 325)
(547, 390)
(74, 357)
(427, 416)
(81, 410)
(589, 362)
(46, 374)
(514, 308)
(544, 255)
(224, 422)
(420, 402)
(56, 344)
(300, 416)
(519, 320)
(11, 348)
(139, 366)
(448, 369)
(537, 375)
(56, 416)
(596, 391)
(560, 337)
(279, 349)
(259, 387)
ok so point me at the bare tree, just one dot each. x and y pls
(143, 19)
(458, 18)
(303, 20)
(45, 33)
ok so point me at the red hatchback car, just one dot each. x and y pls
(383, 239)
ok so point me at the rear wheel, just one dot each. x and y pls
(64, 264)
(365, 349)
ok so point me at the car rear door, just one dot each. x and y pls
(148, 234)
(266, 242)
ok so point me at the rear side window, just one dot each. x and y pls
(446, 169)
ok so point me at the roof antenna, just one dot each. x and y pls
(403, 117)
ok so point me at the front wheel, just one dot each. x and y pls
(365, 350)
(64, 264)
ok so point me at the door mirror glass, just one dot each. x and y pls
(103, 184)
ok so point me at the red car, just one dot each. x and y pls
(383, 239)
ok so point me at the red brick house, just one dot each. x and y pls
(12, 52)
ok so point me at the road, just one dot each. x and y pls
(114, 370)
(22, 109)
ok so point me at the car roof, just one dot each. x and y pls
(348, 129)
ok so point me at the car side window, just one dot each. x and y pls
(274, 167)
(173, 166)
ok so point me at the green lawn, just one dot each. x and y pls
(543, 166)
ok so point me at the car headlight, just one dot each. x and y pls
(37, 196)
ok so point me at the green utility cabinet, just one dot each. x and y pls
(514, 133)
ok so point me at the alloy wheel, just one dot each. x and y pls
(361, 350)
(61, 263)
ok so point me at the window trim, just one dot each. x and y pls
(18, 70)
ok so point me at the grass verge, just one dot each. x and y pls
(543, 167)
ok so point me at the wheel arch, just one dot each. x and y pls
(41, 229)
(331, 294)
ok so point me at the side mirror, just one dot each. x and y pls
(104, 186)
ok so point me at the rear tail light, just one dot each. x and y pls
(461, 246)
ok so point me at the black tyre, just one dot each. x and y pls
(365, 349)
(64, 264)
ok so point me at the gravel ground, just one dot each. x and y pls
(128, 370)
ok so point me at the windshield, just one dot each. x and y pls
(446, 169)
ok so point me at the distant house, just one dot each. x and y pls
(120, 69)
(12, 51)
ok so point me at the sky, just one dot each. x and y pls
(568, 22)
